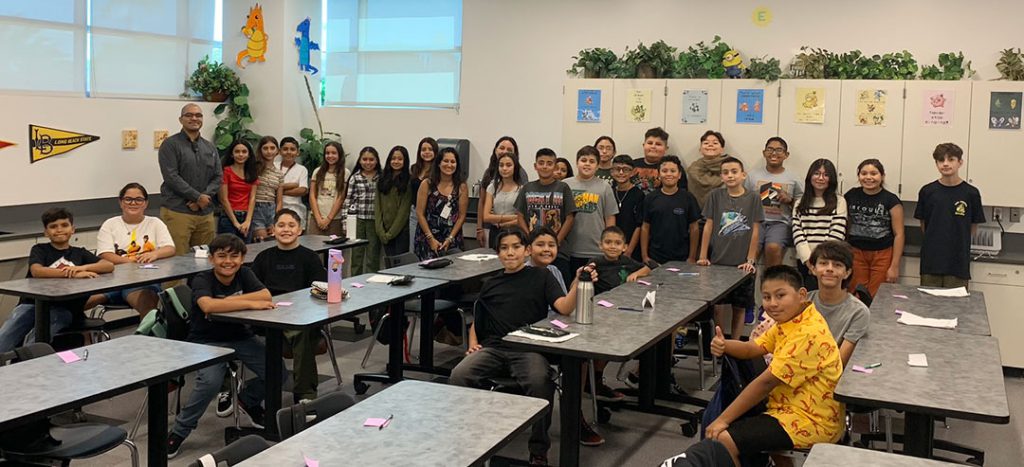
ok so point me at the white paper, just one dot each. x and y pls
(202, 253)
(478, 257)
(536, 337)
(911, 319)
(957, 292)
(649, 299)
(381, 278)
(917, 359)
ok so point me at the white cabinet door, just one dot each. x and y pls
(871, 127)
(576, 133)
(627, 132)
(809, 141)
(684, 138)
(935, 102)
(993, 161)
(1006, 318)
(746, 140)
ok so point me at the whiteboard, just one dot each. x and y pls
(576, 134)
(746, 140)
(684, 139)
(859, 141)
(919, 140)
(809, 141)
(629, 135)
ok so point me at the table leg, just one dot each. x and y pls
(663, 367)
(569, 404)
(427, 331)
(395, 350)
(918, 435)
(157, 444)
(648, 378)
(43, 321)
(275, 375)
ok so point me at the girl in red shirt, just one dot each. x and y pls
(238, 191)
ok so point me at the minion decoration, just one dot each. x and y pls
(733, 64)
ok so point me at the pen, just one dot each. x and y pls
(873, 365)
(387, 421)
(626, 308)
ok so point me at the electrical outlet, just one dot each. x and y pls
(997, 214)
(1014, 214)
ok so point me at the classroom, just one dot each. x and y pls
(416, 270)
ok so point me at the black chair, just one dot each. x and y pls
(294, 419)
(234, 453)
(42, 443)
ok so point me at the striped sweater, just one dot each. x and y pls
(811, 229)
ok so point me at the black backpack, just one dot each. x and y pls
(171, 318)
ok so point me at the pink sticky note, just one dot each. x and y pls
(900, 296)
(672, 269)
(358, 285)
(311, 462)
(860, 369)
(68, 356)
(284, 303)
(898, 312)
(333, 237)
(375, 422)
(641, 281)
(558, 324)
(605, 303)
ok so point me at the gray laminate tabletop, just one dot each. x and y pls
(619, 335)
(964, 377)
(971, 312)
(837, 455)
(711, 284)
(458, 271)
(434, 424)
(306, 311)
(46, 385)
(313, 242)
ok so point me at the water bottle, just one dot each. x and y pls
(585, 298)
(335, 263)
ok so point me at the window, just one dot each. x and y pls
(392, 53)
(141, 48)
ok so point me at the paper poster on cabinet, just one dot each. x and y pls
(871, 107)
(638, 105)
(695, 106)
(588, 105)
(938, 108)
(1004, 111)
(47, 142)
(750, 106)
(810, 105)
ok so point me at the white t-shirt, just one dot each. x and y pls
(124, 239)
(326, 192)
(297, 173)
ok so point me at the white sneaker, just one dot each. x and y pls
(225, 406)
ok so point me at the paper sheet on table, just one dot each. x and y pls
(381, 278)
(911, 319)
(917, 359)
(957, 292)
(648, 300)
(478, 257)
(536, 337)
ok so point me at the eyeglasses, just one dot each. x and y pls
(776, 151)
(191, 115)
(622, 169)
(821, 174)
(133, 200)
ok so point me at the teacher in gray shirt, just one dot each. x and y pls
(192, 175)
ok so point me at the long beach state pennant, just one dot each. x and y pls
(4, 144)
(48, 142)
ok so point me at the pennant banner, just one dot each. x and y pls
(48, 142)
(4, 144)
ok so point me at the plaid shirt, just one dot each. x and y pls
(360, 195)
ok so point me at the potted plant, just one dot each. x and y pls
(951, 67)
(655, 61)
(701, 61)
(764, 68)
(214, 81)
(1011, 65)
(235, 120)
(593, 63)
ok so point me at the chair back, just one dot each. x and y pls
(294, 419)
(400, 260)
(234, 453)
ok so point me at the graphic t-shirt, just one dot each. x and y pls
(768, 186)
(732, 222)
(646, 177)
(948, 212)
(128, 240)
(870, 224)
(327, 192)
(606, 175)
(46, 255)
(545, 205)
(284, 271)
(670, 216)
(595, 201)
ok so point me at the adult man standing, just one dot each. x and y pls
(192, 176)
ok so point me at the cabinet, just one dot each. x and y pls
(684, 139)
(858, 142)
(629, 135)
(576, 134)
(1003, 286)
(746, 140)
(919, 139)
(808, 141)
(992, 161)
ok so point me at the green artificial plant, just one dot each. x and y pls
(1011, 65)
(646, 62)
(235, 120)
(764, 68)
(951, 67)
(311, 147)
(702, 60)
(213, 81)
(593, 63)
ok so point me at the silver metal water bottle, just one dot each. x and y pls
(585, 298)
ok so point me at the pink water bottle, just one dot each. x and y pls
(335, 261)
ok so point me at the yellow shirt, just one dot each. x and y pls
(806, 360)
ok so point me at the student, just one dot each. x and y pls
(393, 202)
(630, 200)
(547, 202)
(499, 196)
(238, 191)
(56, 259)
(327, 193)
(425, 153)
(360, 196)
(614, 268)
(820, 215)
(669, 231)
(563, 169)
(648, 167)
(285, 268)
(778, 189)
(191, 180)
(504, 145)
(799, 386)
(595, 209)
(133, 226)
(503, 308)
(875, 228)
(441, 208)
(230, 286)
(295, 178)
(704, 174)
(949, 210)
(269, 194)
(734, 217)
(606, 147)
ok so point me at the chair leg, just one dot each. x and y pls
(465, 333)
(888, 432)
(380, 325)
(413, 321)
(700, 355)
(236, 378)
(134, 451)
(138, 417)
(330, 352)
(593, 387)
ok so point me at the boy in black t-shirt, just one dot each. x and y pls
(949, 210)
(230, 286)
(502, 308)
(286, 268)
(615, 268)
(669, 231)
(630, 199)
(57, 259)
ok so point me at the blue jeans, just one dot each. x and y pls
(21, 325)
(224, 225)
(208, 383)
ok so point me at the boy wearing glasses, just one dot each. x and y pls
(777, 189)
(630, 199)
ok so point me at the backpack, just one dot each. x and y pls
(170, 320)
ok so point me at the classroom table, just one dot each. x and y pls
(431, 424)
(130, 275)
(964, 379)
(711, 283)
(971, 313)
(837, 455)
(46, 386)
(308, 313)
(615, 335)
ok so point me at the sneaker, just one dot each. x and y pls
(633, 380)
(255, 414)
(607, 394)
(225, 405)
(538, 459)
(589, 437)
(174, 444)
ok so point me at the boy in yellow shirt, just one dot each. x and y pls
(799, 383)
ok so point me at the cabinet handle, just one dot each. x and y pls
(996, 275)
